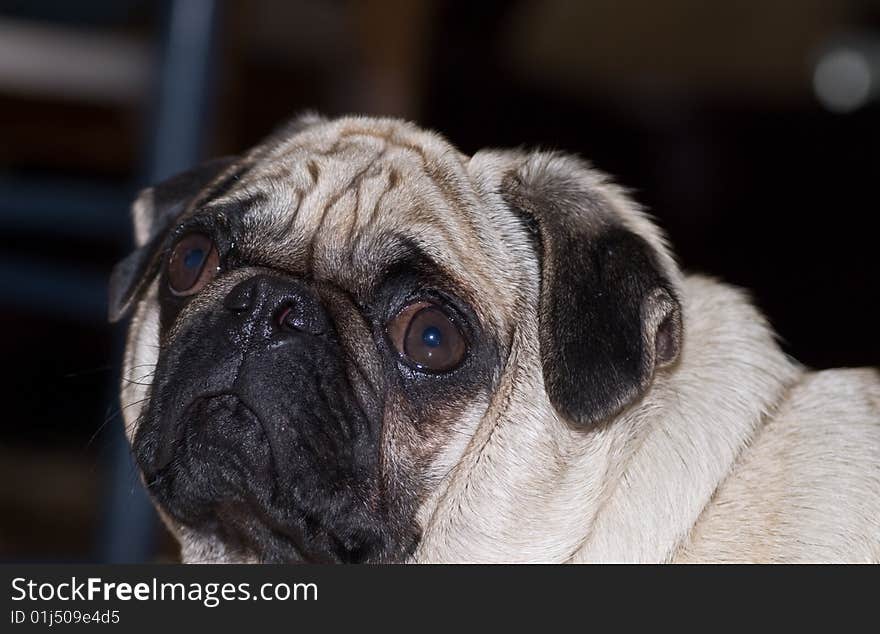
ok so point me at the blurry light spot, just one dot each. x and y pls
(842, 80)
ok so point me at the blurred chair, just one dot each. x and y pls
(58, 62)
(173, 75)
(181, 117)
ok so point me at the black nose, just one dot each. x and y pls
(278, 304)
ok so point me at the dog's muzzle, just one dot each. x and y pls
(254, 433)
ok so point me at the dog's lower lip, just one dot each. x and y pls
(204, 410)
(166, 451)
(239, 401)
(281, 531)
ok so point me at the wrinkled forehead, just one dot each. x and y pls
(345, 204)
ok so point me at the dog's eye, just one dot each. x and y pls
(427, 337)
(193, 263)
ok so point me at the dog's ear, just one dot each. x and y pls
(153, 214)
(609, 313)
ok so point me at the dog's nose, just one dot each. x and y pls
(285, 305)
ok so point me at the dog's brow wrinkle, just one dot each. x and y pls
(353, 185)
(432, 170)
(375, 210)
(314, 171)
(338, 146)
(345, 140)
(310, 254)
(357, 236)
(353, 132)
(420, 152)
(356, 185)
(352, 228)
(393, 179)
(453, 196)
(288, 226)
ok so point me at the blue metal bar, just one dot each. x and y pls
(130, 526)
(184, 86)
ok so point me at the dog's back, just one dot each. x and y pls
(808, 487)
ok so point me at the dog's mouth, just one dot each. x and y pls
(252, 483)
(217, 474)
(223, 437)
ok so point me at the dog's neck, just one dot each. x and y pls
(630, 490)
(699, 418)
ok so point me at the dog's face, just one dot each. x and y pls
(330, 330)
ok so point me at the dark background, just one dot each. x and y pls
(761, 166)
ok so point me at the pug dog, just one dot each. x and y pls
(354, 343)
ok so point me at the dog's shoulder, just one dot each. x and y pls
(808, 486)
(697, 421)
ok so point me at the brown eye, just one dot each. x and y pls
(426, 336)
(193, 263)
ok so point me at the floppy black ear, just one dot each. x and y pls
(609, 311)
(153, 214)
